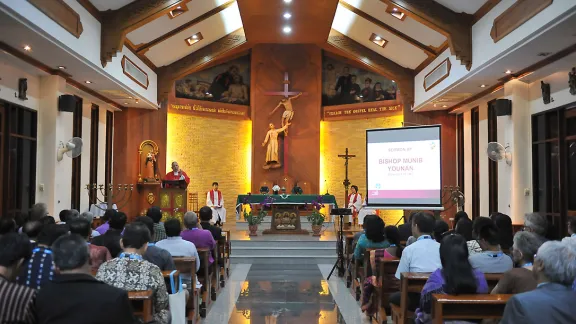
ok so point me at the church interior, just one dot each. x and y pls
(260, 110)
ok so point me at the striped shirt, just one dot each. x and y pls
(16, 303)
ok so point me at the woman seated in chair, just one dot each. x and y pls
(456, 277)
(394, 251)
(373, 238)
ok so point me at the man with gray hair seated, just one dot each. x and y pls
(553, 301)
(536, 223)
(201, 238)
(87, 216)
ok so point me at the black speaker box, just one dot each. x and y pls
(66, 103)
(503, 107)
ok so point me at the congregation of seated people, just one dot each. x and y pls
(538, 274)
(68, 272)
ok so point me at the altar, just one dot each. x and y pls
(286, 210)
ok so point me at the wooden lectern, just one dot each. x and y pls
(173, 199)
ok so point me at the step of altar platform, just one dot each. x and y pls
(284, 249)
(243, 225)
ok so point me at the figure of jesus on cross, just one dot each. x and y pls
(288, 113)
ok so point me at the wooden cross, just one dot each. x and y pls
(284, 93)
(346, 181)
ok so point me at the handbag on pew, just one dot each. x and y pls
(177, 300)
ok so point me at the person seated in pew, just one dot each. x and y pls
(155, 254)
(32, 229)
(201, 238)
(394, 251)
(74, 295)
(440, 228)
(553, 301)
(111, 238)
(106, 219)
(129, 271)
(520, 279)
(420, 256)
(374, 237)
(205, 217)
(98, 254)
(464, 227)
(406, 228)
(505, 231)
(536, 223)
(571, 230)
(491, 259)
(156, 215)
(456, 277)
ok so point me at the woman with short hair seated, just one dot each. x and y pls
(440, 229)
(454, 278)
(521, 279)
(373, 238)
(464, 228)
(491, 259)
(394, 251)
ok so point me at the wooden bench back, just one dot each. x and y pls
(485, 306)
(387, 269)
(142, 304)
(187, 265)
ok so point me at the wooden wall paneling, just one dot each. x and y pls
(304, 66)
(94, 127)
(515, 16)
(475, 135)
(461, 163)
(62, 14)
(492, 165)
(131, 127)
(448, 154)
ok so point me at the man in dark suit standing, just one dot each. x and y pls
(553, 301)
(74, 295)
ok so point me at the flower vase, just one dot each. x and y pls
(316, 230)
(253, 230)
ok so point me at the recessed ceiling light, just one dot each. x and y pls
(179, 7)
(444, 106)
(395, 9)
(508, 72)
(129, 97)
(88, 81)
(195, 36)
(286, 29)
(287, 1)
(27, 48)
(377, 38)
(62, 67)
(125, 103)
(287, 15)
(434, 105)
(393, 81)
(483, 86)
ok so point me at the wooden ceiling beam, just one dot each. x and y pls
(427, 49)
(457, 27)
(342, 45)
(116, 24)
(225, 47)
(143, 48)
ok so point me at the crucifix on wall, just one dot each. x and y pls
(272, 154)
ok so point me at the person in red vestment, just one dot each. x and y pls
(354, 202)
(177, 174)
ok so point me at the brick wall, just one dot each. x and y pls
(211, 150)
(335, 137)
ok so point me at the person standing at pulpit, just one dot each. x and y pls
(354, 202)
(215, 200)
(177, 174)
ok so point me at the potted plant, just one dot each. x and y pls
(316, 217)
(256, 219)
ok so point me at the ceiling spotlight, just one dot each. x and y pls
(377, 38)
(394, 9)
(129, 97)
(393, 81)
(434, 105)
(137, 101)
(126, 103)
(27, 48)
(194, 36)
(286, 29)
(62, 67)
(483, 86)
(508, 71)
(179, 7)
(87, 81)
(444, 106)
(287, 15)
(287, 1)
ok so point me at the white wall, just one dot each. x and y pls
(9, 76)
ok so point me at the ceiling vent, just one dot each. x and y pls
(439, 73)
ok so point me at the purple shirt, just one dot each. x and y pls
(103, 228)
(201, 239)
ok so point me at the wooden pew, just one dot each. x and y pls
(225, 259)
(478, 307)
(386, 269)
(187, 265)
(216, 275)
(166, 275)
(142, 304)
(348, 252)
(413, 282)
(360, 270)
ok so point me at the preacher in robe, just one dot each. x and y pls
(215, 201)
(177, 174)
(354, 201)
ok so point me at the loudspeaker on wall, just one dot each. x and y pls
(503, 107)
(66, 103)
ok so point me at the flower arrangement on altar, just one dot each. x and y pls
(316, 217)
(256, 219)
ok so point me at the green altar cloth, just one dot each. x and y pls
(287, 199)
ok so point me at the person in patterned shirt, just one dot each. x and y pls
(129, 271)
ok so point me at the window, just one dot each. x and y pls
(554, 166)
(76, 162)
(475, 132)
(492, 165)
(109, 138)
(460, 143)
(18, 128)
(94, 124)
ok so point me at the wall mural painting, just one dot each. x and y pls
(229, 83)
(345, 84)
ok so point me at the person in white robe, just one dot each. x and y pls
(215, 200)
(354, 202)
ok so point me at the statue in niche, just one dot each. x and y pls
(288, 113)
(150, 170)
(572, 81)
(546, 92)
(22, 88)
(272, 156)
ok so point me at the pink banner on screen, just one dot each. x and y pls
(406, 194)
